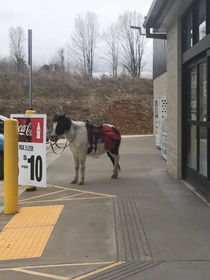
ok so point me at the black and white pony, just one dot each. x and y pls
(76, 133)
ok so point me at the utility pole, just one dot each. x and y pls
(30, 64)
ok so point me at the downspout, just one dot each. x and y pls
(155, 36)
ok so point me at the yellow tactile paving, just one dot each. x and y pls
(35, 216)
(26, 235)
(23, 243)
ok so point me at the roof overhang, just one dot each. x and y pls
(162, 13)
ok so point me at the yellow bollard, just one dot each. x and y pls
(10, 166)
(30, 188)
(30, 112)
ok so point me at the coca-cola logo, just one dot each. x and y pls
(24, 129)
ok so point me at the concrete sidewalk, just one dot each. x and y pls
(145, 225)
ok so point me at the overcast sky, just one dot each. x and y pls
(52, 21)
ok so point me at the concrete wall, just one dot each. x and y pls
(174, 99)
(160, 86)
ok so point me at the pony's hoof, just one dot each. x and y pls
(73, 182)
(114, 176)
(81, 183)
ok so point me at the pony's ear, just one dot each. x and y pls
(63, 116)
(55, 118)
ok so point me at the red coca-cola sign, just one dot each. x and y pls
(37, 128)
(30, 130)
(24, 129)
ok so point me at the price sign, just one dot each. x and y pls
(31, 149)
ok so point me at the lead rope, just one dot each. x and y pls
(55, 143)
(66, 145)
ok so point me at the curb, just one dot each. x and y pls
(133, 136)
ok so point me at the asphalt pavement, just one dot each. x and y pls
(144, 225)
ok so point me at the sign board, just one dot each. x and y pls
(32, 149)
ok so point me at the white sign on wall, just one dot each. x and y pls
(32, 149)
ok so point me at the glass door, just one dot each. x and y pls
(196, 126)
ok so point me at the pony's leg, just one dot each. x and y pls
(82, 159)
(76, 165)
(116, 161)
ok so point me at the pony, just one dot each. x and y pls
(77, 133)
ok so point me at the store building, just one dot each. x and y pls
(181, 70)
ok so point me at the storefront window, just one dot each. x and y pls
(203, 91)
(188, 32)
(202, 19)
(192, 147)
(203, 151)
(192, 112)
(194, 24)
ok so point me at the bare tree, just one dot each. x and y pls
(111, 44)
(68, 58)
(58, 59)
(17, 41)
(84, 40)
(132, 43)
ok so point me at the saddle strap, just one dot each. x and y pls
(93, 137)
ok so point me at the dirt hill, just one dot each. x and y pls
(123, 102)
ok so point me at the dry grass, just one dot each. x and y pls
(125, 102)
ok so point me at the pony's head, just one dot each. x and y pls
(61, 124)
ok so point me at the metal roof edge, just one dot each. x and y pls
(153, 9)
(157, 10)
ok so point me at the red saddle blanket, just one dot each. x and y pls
(110, 137)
